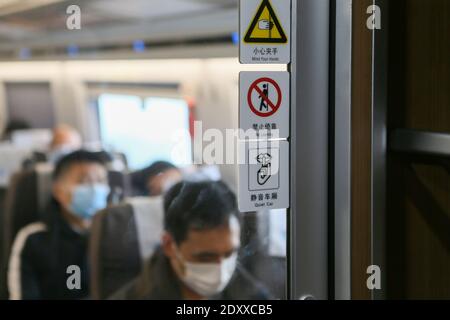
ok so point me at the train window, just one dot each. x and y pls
(39, 114)
(159, 124)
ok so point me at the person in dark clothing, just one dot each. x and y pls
(49, 258)
(198, 257)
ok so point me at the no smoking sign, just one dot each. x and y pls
(264, 103)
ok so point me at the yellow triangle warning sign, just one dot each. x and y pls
(265, 26)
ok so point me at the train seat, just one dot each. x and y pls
(122, 238)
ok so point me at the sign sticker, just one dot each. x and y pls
(264, 178)
(264, 106)
(264, 103)
(259, 100)
(265, 27)
(263, 175)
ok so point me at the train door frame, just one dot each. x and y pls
(308, 214)
(323, 257)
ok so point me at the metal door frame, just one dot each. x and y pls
(342, 149)
(308, 260)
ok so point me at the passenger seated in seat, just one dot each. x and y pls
(43, 252)
(65, 140)
(155, 179)
(198, 255)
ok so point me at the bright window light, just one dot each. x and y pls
(146, 130)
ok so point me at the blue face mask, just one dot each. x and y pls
(87, 199)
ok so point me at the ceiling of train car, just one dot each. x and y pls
(42, 23)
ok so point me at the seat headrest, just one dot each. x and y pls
(149, 217)
(44, 173)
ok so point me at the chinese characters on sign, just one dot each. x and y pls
(264, 105)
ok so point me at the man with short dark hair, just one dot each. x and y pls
(198, 258)
(45, 254)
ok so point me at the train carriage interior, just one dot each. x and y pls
(224, 149)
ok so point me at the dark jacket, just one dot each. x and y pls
(159, 282)
(41, 254)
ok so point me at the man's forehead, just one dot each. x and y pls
(84, 168)
(231, 228)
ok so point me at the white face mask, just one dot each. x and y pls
(208, 279)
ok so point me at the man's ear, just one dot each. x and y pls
(168, 244)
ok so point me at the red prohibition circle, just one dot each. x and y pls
(273, 106)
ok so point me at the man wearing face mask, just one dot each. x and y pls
(198, 256)
(43, 251)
